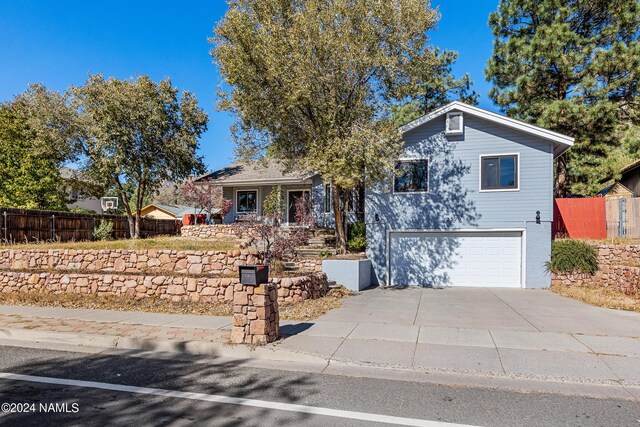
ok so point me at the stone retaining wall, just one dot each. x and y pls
(309, 264)
(618, 277)
(176, 288)
(610, 254)
(209, 231)
(220, 263)
(618, 269)
(216, 263)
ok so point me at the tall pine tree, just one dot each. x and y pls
(571, 66)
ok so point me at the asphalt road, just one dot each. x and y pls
(263, 394)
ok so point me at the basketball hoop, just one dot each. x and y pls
(108, 203)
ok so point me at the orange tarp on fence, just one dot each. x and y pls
(580, 218)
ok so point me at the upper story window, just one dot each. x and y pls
(499, 172)
(412, 176)
(454, 124)
(247, 201)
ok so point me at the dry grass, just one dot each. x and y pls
(313, 308)
(601, 297)
(306, 310)
(164, 242)
(620, 241)
(118, 303)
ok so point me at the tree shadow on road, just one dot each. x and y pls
(190, 373)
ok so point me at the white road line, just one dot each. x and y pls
(233, 401)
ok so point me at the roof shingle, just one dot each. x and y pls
(262, 171)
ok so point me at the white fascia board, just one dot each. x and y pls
(228, 183)
(563, 142)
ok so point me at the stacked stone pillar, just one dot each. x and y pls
(255, 314)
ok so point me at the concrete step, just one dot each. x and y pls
(322, 241)
(316, 241)
(291, 266)
(324, 232)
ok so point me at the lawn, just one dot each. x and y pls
(163, 242)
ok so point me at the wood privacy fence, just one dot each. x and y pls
(29, 225)
(584, 218)
(623, 218)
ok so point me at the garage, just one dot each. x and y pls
(456, 258)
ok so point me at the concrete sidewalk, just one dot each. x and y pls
(514, 333)
(601, 365)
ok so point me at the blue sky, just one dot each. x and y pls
(59, 43)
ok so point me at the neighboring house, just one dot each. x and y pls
(167, 212)
(615, 191)
(75, 189)
(627, 186)
(470, 204)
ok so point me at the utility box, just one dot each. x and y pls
(254, 274)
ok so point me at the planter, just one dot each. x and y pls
(354, 274)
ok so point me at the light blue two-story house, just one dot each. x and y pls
(470, 203)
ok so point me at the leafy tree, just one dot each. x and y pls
(571, 66)
(312, 83)
(169, 193)
(39, 132)
(140, 134)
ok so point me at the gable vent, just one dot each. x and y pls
(454, 124)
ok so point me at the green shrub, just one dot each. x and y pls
(325, 253)
(573, 256)
(82, 210)
(357, 241)
(103, 231)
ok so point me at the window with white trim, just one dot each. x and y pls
(499, 172)
(412, 176)
(247, 201)
(454, 124)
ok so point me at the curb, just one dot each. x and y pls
(204, 348)
(275, 357)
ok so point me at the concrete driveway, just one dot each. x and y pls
(512, 334)
(485, 308)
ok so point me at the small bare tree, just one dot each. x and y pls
(268, 236)
(206, 196)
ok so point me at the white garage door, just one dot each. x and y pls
(485, 259)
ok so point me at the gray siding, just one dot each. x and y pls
(454, 200)
(318, 193)
(229, 194)
(538, 247)
(263, 192)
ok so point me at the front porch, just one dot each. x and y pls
(248, 201)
